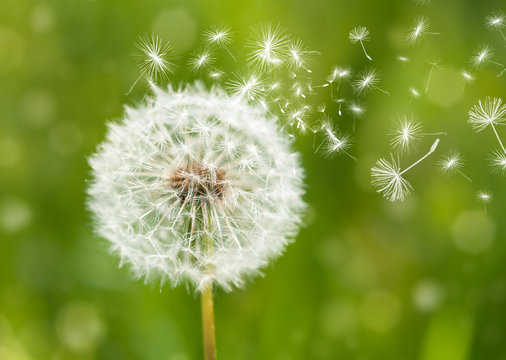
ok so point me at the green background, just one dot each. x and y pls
(365, 279)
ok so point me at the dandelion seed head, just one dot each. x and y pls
(489, 111)
(406, 134)
(196, 186)
(359, 33)
(388, 181)
(498, 162)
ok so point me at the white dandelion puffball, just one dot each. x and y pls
(196, 186)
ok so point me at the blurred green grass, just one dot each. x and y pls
(366, 279)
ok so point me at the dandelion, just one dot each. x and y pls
(201, 60)
(485, 198)
(269, 45)
(219, 37)
(407, 133)
(498, 162)
(387, 177)
(483, 55)
(194, 186)
(497, 22)
(418, 30)
(334, 142)
(452, 162)
(489, 112)
(154, 58)
(367, 81)
(434, 65)
(360, 34)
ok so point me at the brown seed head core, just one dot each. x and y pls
(196, 182)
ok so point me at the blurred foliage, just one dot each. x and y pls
(366, 279)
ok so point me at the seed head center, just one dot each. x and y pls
(196, 182)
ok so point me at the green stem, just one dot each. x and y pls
(208, 323)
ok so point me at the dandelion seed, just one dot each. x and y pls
(407, 133)
(321, 108)
(335, 76)
(483, 55)
(490, 111)
(195, 186)
(452, 162)
(497, 22)
(467, 78)
(434, 65)
(154, 58)
(414, 93)
(360, 34)
(268, 45)
(367, 81)
(296, 55)
(297, 118)
(356, 109)
(339, 103)
(403, 59)
(498, 162)
(485, 198)
(250, 87)
(201, 60)
(334, 143)
(357, 112)
(418, 30)
(215, 74)
(387, 177)
(220, 37)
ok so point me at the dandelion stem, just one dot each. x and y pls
(365, 52)
(432, 149)
(383, 91)
(428, 80)
(208, 322)
(231, 55)
(498, 138)
(464, 175)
